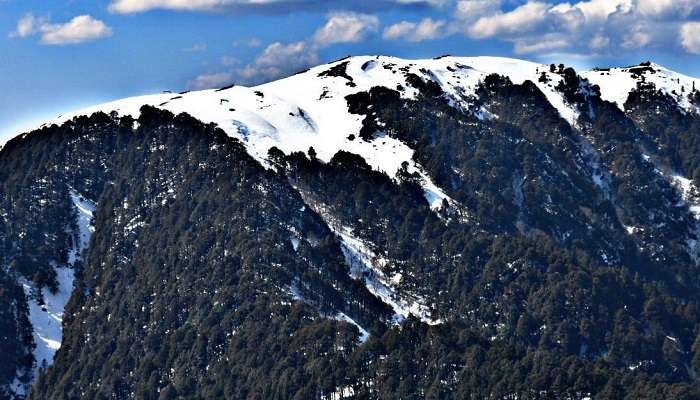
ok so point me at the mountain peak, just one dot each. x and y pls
(306, 109)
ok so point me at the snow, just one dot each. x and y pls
(690, 198)
(365, 264)
(617, 83)
(295, 242)
(433, 194)
(345, 392)
(47, 319)
(364, 335)
(307, 110)
(689, 193)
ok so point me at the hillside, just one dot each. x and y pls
(370, 228)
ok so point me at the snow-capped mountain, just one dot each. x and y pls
(362, 224)
(310, 109)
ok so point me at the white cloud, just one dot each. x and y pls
(427, 29)
(293, 54)
(521, 19)
(655, 7)
(598, 42)
(275, 61)
(229, 61)
(690, 37)
(600, 10)
(282, 59)
(254, 42)
(540, 45)
(636, 39)
(346, 28)
(26, 26)
(139, 6)
(668, 8)
(210, 81)
(471, 10)
(80, 29)
(601, 26)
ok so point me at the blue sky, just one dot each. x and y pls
(63, 54)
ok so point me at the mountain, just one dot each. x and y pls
(370, 228)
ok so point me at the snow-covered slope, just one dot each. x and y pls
(617, 83)
(310, 109)
(46, 309)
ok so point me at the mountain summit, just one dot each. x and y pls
(370, 228)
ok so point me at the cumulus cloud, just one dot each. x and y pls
(282, 59)
(601, 26)
(470, 10)
(278, 60)
(427, 29)
(521, 19)
(295, 54)
(346, 28)
(229, 61)
(275, 61)
(80, 29)
(599, 42)
(690, 37)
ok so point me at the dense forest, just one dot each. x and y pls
(564, 265)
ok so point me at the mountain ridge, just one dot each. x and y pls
(449, 233)
(300, 112)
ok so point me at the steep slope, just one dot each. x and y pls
(254, 246)
(371, 228)
(309, 109)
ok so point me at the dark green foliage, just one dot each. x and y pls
(542, 291)
(15, 333)
(339, 70)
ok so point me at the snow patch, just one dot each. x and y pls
(47, 318)
(344, 392)
(617, 83)
(364, 335)
(295, 242)
(366, 265)
(690, 197)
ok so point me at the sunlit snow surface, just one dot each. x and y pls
(366, 265)
(617, 83)
(47, 319)
(307, 110)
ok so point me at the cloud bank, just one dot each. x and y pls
(589, 27)
(269, 6)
